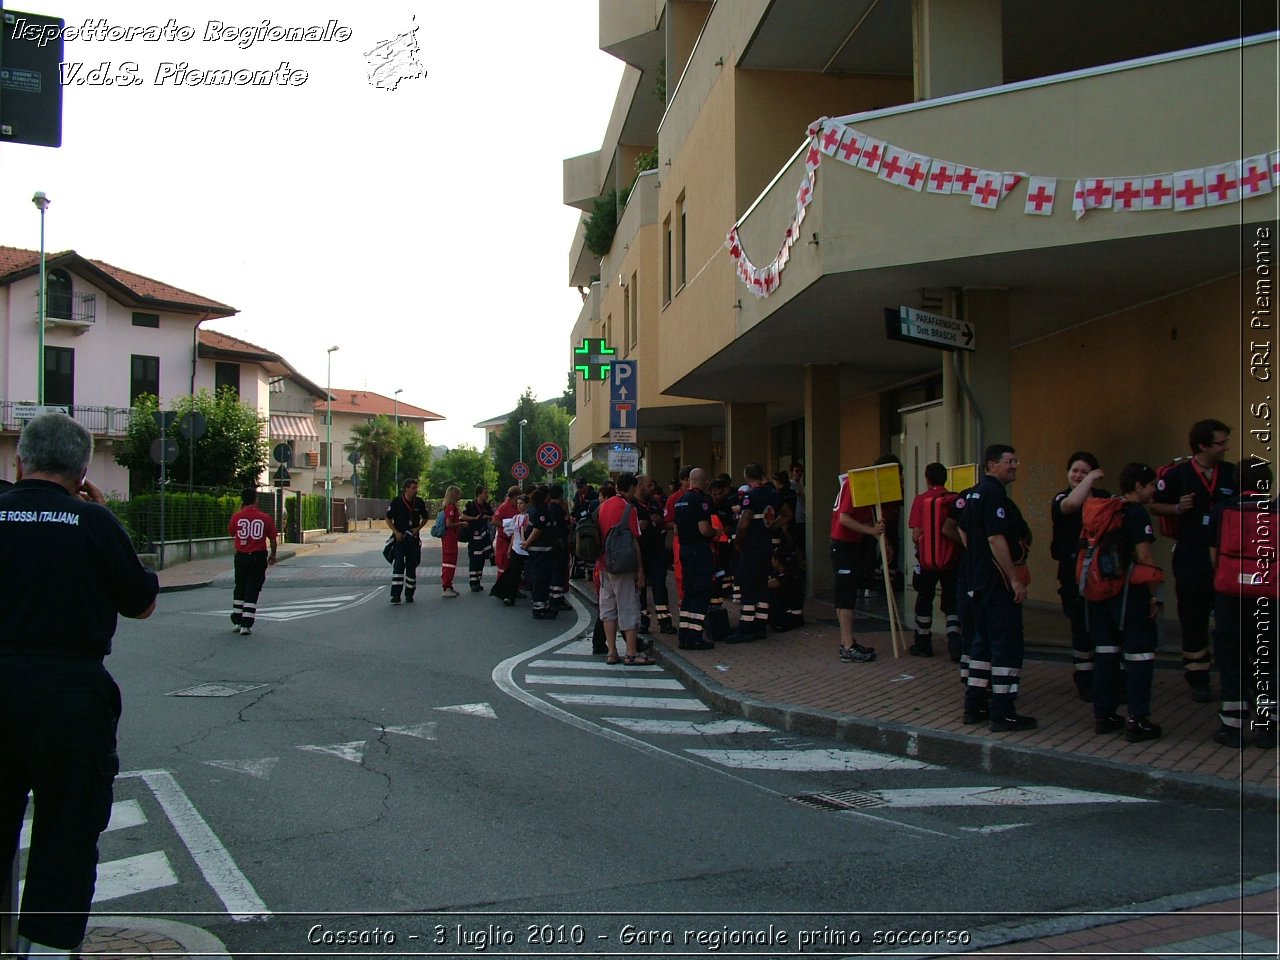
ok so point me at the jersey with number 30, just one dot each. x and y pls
(251, 529)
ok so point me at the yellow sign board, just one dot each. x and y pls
(961, 477)
(872, 486)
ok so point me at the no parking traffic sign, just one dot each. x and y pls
(520, 470)
(549, 455)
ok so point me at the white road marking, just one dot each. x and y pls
(352, 750)
(215, 863)
(597, 665)
(578, 648)
(259, 769)
(423, 731)
(301, 609)
(642, 703)
(122, 878)
(634, 683)
(995, 828)
(124, 814)
(471, 710)
(688, 727)
(810, 760)
(1035, 796)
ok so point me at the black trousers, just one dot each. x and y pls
(508, 585)
(697, 571)
(753, 577)
(406, 555)
(479, 549)
(58, 721)
(251, 574)
(1193, 580)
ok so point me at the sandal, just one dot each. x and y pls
(639, 660)
(612, 659)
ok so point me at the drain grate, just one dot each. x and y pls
(841, 800)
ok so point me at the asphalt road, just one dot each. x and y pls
(457, 772)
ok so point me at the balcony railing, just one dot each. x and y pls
(72, 309)
(101, 421)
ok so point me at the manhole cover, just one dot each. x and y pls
(1009, 796)
(216, 688)
(841, 800)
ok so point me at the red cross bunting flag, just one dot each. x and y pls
(1221, 184)
(813, 157)
(1040, 192)
(1157, 192)
(966, 178)
(831, 136)
(941, 176)
(915, 172)
(1254, 177)
(872, 154)
(986, 192)
(851, 146)
(1098, 193)
(894, 162)
(1008, 182)
(1188, 190)
(1275, 168)
(1127, 194)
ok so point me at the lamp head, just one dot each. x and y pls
(331, 349)
(524, 423)
(41, 201)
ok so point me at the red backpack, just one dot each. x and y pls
(1168, 523)
(936, 552)
(1243, 570)
(1105, 564)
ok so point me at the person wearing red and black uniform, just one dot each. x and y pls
(723, 521)
(477, 516)
(1189, 491)
(761, 506)
(560, 555)
(996, 540)
(935, 561)
(1065, 512)
(406, 515)
(1245, 533)
(652, 507)
(251, 530)
(501, 539)
(67, 571)
(541, 534)
(669, 522)
(850, 529)
(453, 531)
(692, 513)
(1125, 624)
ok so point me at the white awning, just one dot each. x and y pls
(286, 427)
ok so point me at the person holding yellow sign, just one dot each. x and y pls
(850, 528)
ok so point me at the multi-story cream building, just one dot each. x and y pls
(1110, 331)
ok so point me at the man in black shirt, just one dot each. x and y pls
(1189, 492)
(477, 515)
(67, 570)
(693, 528)
(406, 515)
(761, 506)
(996, 540)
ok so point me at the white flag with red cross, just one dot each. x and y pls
(1098, 193)
(894, 162)
(1040, 194)
(1221, 184)
(850, 150)
(966, 178)
(805, 193)
(1188, 190)
(941, 176)
(1255, 178)
(988, 190)
(1008, 181)
(812, 157)
(1275, 168)
(916, 172)
(1077, 199)
(830, 137)
(1157, 192)
(872, 154)
(1126, 194)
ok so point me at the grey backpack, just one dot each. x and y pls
(619, 547)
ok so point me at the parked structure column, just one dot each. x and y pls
(823, 466)
(695, 447)
(958, 46)
(988, 367)
(746, 437)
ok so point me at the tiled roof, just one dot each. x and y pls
(371, 404)
(16, 263)
(223, 341)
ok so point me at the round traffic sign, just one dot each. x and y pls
(164, 450)
(282, 452)
(193, 425)
(353, 457)
(549, 455)
(520, 470)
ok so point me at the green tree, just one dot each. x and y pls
(415, 455)
(569, 399)
(232, 453)
(377, 442)
(465, 467)
(545, 421)
(594, 471)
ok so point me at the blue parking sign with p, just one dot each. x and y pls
(624, 385)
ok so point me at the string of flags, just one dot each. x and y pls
(1180, 191)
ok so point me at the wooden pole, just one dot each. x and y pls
(891, 601)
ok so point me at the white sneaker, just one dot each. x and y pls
(245, 631)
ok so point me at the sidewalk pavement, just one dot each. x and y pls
(912, 706)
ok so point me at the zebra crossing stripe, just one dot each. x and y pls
(596, 665)
(825, 759)
(122, 878)
(695, 728)
(639, 703)
(124, 814)
(633, 683)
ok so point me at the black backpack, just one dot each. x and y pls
(586, 538)
(619, 546)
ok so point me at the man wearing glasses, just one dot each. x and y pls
(1188, 491)
(996, 540)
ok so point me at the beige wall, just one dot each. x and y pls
(1125, 387)
(860, 442)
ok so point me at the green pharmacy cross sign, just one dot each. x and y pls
(592, 359)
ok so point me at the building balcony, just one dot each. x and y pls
(101, 421)
(75, 310)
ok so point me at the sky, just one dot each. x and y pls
(420, 229)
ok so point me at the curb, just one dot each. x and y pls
(972, 753)
(196, 943)
(281, 555)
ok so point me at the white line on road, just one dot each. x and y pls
(696, 728)
(643, 703)
(124, 814)
(598, 665)
(822, 759)
(471, 710)
(300, 609)
(353, 750)
(259, 769)
(121, 878)
(220, 871)
(631, 683)
(423, 731)
(1034, 796)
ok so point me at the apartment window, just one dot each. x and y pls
(226, 375)
(324, 454)
(144, 377)
(59, 375)
(666, 260)
(147, 320)
(682, 274)
(633, 311)
(57, 302)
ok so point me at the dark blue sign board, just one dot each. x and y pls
(30, 87)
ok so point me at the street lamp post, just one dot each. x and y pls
(523, 424)
(328, 441)
(42, 202)
(396, 398)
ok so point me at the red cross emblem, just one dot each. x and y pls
(851, 149)
(891, 167)
(1189, 193)
(941, 178)
(831, 139)
(1157, 193)
(1040, 198)
(1098, 194)
(1252, 179)
(813, 159)
(987, 192)
(1222, 186)
(871, 156)
(965, 179)
(1127, 195)
(914, 174)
